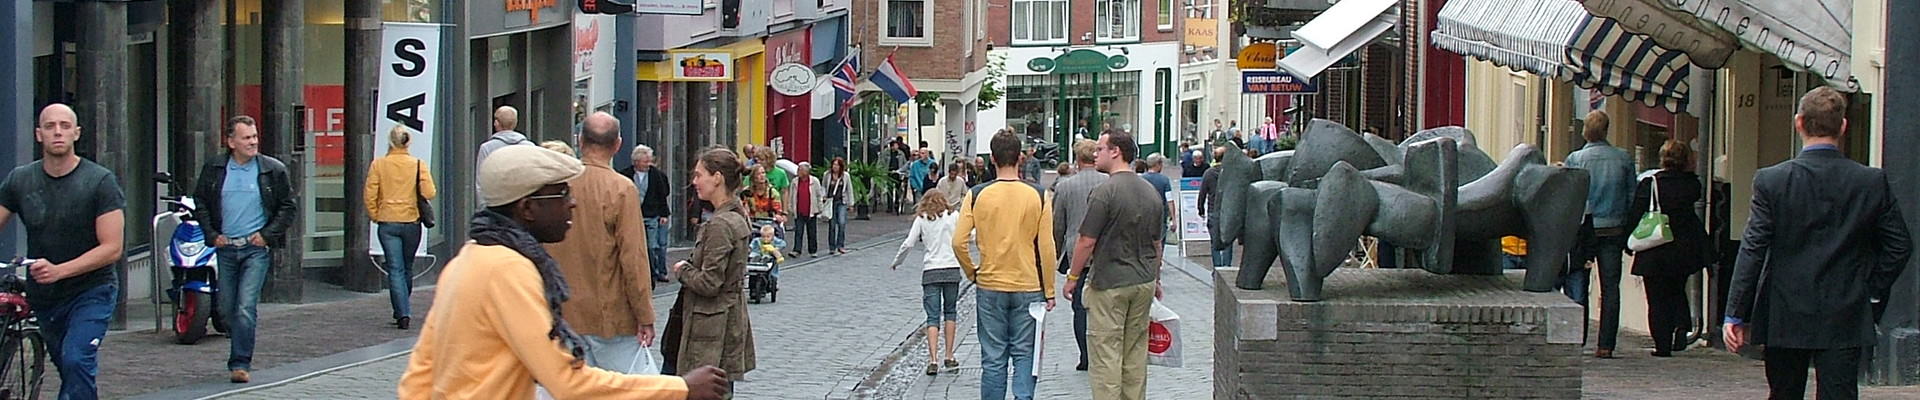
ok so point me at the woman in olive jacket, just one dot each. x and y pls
(711, 312)
(1665, 269)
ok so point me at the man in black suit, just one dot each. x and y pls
(1823, 243)
(654, 189)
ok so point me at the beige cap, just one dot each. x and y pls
(515, 172)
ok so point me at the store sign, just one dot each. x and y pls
(680, 7)
(1203, 32)
(1260, 56)
(791, 79)
(409, 87)
(702, 66)
(1274, 82)
(532, 7)
(1078, 61)
(586, 42)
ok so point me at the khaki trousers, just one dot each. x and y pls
(1117, 340)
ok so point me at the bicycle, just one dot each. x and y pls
(23, 354)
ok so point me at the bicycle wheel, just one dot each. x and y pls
(24, 366)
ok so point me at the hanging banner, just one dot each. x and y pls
(409, 71)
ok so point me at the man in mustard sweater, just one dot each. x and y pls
(1013, 222)
(497, 326)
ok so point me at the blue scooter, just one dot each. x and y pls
(192, 261)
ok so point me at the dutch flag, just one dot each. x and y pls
(891, 80)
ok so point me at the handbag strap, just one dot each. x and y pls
(417, 166)
(1654, 181)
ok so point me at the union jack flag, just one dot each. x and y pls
(843, 84)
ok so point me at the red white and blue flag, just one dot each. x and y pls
(893, 81)
(843, 86)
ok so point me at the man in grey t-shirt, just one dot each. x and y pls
(1121, 239)
(1069, 208)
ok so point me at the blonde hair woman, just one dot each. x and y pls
(939, 274)
(395, 185)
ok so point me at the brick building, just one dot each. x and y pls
(1076, 66)
(943, 48)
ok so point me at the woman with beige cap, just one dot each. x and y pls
(497, 327)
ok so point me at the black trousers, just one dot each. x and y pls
(1839, 371)
(806, 234)
(1667, 313)
(1080, 319)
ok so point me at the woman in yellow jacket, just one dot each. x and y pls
(395, 185)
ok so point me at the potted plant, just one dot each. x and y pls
(868, 179)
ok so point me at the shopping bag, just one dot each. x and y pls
(642, 364)
(1039, 313)
(1163, 336)
(1653, 230)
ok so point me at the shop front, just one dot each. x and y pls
(700, 97)
(789, 91)
(522, 54)
(1057, 94)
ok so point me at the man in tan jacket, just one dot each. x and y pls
(605, 254)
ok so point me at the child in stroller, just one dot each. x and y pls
(765, 254)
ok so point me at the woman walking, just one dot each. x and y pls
(708, 324)
(1665, 269)
(939, 276)
(839, 187)
(396, 184)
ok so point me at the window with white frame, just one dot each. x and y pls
(1039, 21)
(1166, 14)
(906, 22)
(1116, 20)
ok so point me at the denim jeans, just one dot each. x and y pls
(806, 235)
(837, 230)
(941, 300)
(243, 271)
(1609, 250)
(657, 247)
(73, 330)
(1223, 258)
(399, 241)
(1006, 337)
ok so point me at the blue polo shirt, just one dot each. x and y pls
(241, 211)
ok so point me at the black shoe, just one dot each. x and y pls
(1081, 367)
(933, 369)
(660, 278)
(403, 322)
(1662, 354)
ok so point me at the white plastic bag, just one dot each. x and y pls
(642, 364)
(1163, 336)
(1039, 313)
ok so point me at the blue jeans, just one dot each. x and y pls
(1006, 336)
(837, 230)
(399, 241)
(1609, 251)
(1223, 258)
(657, 247)
(73, 331)
(243, 271)
(941, 300)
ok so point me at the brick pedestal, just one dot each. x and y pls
(1394, 333)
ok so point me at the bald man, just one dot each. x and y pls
(73, 211)
(605, 254)
(505, 120)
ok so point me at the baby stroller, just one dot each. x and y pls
(763, 270)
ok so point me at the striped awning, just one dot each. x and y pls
(1561, 40)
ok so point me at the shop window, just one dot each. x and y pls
(1039, 21)
(1116, 20)
(906, 22)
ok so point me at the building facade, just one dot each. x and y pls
(943, 48)
(1076, 67)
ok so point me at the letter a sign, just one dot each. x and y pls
(409, 77)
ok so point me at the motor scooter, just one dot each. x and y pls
(192, 262)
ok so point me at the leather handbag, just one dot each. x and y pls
(420, 201)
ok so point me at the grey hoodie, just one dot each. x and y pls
(498, 140)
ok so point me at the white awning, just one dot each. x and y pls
(822, 102)
(1813, 36)
(1674, 28)
(1560, 40)
(1337, 32)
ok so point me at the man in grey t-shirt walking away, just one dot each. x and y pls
(1121, 239)
(1069, 208)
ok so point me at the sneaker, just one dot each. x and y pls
(933, 369)
(952, 363)
(241, 376)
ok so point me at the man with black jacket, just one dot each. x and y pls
(654, 190)
(248, 206)
(1824, 242)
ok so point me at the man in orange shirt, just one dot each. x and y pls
(497, 326)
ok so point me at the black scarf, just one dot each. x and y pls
(493, 229)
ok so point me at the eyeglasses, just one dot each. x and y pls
(563, 194)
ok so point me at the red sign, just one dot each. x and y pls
(1159, 339)
(326, 119)
(532, 7)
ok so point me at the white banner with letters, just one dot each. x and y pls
(409, 82)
